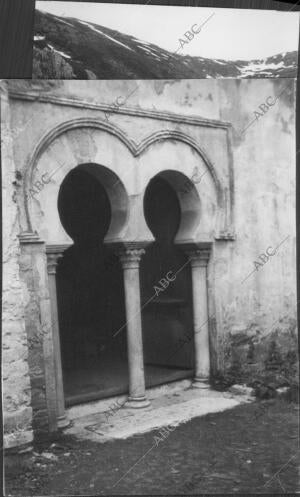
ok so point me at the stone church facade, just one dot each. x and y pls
(192, 186)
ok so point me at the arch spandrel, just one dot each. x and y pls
(66, 152)
(198, 194)
(134, 164)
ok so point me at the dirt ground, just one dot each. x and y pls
(253, 448)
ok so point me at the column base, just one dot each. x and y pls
(201, 383)
(137, 403)
(62, 422)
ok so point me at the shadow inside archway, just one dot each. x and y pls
(167, 316)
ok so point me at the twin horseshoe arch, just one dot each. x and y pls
(189, 203)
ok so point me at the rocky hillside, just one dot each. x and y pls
(68, 48)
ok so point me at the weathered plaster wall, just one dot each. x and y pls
(260, 308)
(251, 307)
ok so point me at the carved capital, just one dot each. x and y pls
(52, 261)
(199, 257)
(130, 257)
(198, 253)
(129, 253)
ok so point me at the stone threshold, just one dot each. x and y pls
(102, 405)
(171, 405)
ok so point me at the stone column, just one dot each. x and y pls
(130, 260)
(199, 260)
(52, 260)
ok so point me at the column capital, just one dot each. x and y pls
(198, 254)
(199, 257)
(130, 257)
(130, 253)
(52, 261)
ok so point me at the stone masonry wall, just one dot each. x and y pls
(15, 373)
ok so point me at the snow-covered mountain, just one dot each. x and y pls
(68, 48)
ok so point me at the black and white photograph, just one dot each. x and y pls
(149, 301)
(75, 40)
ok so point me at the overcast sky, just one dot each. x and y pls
(228, 33)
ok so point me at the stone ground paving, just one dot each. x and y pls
(251, 448)
(170, 405)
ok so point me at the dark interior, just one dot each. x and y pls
(167, 316)
(90, 293)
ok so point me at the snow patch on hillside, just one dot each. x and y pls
(107, 36)
(63, 54)
(254, 67)
(65, 22)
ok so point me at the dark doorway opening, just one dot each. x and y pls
(166, 290)
(90, 295)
